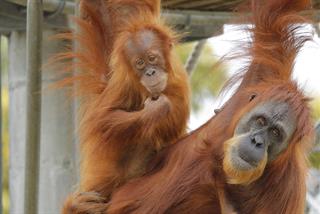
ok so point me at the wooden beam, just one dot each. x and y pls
(169, 3)
(225, 5)
(197, 4)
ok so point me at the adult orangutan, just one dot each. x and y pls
(136, 95)
(251, 157)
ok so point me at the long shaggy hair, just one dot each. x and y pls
(189, 177)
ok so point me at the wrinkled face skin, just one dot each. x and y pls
(259, 137)
(145, 52)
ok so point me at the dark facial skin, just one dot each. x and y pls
(267, 128)
(144, 50)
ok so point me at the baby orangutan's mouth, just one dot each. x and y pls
(156, 89)
(154, 98)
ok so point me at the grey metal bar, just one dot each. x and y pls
(34, 46)
(76, 103)
(13, 18)
(194, 56)
(50, 5)
(58, 11)
(1, 153)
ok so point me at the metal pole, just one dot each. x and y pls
(50, 5)
(194, 56)
(1, 154)
(34, 46)
(76, 103)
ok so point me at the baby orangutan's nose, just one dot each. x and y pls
(151, 72)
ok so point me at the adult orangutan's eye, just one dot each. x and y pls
(261, 121)
(252, 97)
(275, 132)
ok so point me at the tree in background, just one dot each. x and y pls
(207, 79)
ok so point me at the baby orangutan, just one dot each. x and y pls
(139, 104)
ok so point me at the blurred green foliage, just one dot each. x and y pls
(315, 156)
(315, 104)
(315, 160)
(207, 79)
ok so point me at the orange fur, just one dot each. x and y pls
(189, 177)
(119, 134)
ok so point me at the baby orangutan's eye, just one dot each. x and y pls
(140, 64)
(152, 58)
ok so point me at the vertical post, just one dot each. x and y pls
(57, 170)
(1, 154)
(76, 101)
(194, 56)
(34, 42)
(58, 167)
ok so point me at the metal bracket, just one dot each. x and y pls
(57, 12)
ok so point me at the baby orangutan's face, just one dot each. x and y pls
(145, 52)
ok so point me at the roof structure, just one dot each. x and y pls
(202, 5)
(200, 18)
(210, 5)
